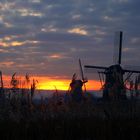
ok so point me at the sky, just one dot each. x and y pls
(45, 38)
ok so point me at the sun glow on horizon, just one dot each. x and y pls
(63, 84)
(48, 83)
(54, 84)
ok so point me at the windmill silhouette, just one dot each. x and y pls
(114, 84)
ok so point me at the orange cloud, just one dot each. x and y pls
(93, 85)
(6, 63)
(56, 56)
(16, 43)
(9, 44)
(78, 31)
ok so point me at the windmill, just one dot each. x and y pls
(114, 86)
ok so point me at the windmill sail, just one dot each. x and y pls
(134, 69)
(82, 74)
(81, 70)
(118, 47)
(94, 69)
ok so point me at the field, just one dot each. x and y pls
(90, 119)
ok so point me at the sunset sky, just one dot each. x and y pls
(47, 37)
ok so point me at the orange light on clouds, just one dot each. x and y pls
(78, 31)
(48, 83)
(63, 84)
(54, 84)
(16, 43)
(55, 56)
(93, 85)
(6, 63)
(13, 44)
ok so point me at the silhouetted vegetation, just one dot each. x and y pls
(58, 119)
(62, 117)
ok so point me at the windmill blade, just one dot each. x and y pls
(130, 67)
(82, 75)
(101, 80)
(128, 76)
(117, 47)
(94, 69)
(133, 69)
(86, 70)
(74, 76)
(81, 70)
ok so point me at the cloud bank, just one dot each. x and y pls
(46, 37)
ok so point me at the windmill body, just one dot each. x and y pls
(114, 85)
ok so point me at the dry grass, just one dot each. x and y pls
(21, 119)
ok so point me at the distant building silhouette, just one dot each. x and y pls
(76, 89)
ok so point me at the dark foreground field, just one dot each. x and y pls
(70, 121)
(79, 129)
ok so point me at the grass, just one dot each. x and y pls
(57, 119)
(71, 129)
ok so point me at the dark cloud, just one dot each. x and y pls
(52, 35)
